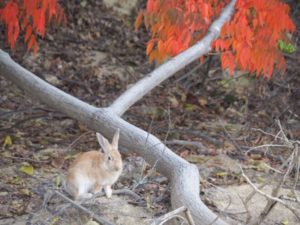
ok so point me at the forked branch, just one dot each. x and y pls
(184, 177)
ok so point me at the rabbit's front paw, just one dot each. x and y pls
(108, 191)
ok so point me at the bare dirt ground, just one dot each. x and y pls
(95, 58)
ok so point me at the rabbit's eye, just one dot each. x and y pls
(109, 158)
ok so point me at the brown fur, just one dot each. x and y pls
(95, 169)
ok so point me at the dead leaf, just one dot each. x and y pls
(55, 220)
(202, 101)
(27, 168)
(58, 162)
(17, 181)
(285, 222)
(58, 181)
(260, 180)
(196, 159)
(6, 154)
(190, 107)
(222, 174)
(24, 191)
(256, 156)
(174, 101)
(7, 141)
(18, 206)
(184, 154)
(91, 222)
(148, 201)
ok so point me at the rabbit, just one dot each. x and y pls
(91, 171)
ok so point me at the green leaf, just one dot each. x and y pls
(27, 168)
(285, 222)
(286, 47)
(190, 107)
(55, 220)
(222, 174)
(7, 141)
(57, 181)
(91, 222)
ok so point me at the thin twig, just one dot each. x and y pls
(263, 132)
(25, 159)
(189, 217)
(17, 123)
(190, 71)
(273, 169)
(75, 141)
(175, 214)
(248, 198)
(124, 191)
(271, 197)
(248, 218)
(297, 168)
(286, 140)
(93, 215)
(141, 181)
(200, 134)
(217, 217)
(292, 162)
(266, 145)
(86, 201)
(229, 137)
(173, 217)
(200, 147)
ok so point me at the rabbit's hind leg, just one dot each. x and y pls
(97, 188)
(83, 188)
(83, 193)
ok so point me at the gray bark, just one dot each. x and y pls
(168, 69)
(184, 177)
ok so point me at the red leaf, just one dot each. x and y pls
(52, 9)
(31, 14)
(227, 60)
(41, 27)
(9, 14)
(28, 33)
(32, 42)
(149, 47)
(138, 20)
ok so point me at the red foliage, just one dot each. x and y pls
(248, 42)
(29, 16)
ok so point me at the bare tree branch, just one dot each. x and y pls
(168, 69)
(184, 177)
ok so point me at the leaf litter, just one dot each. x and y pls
(96, 57)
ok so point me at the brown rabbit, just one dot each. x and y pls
(91, 171)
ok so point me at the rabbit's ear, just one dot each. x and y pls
(115, 140)
(103, 142)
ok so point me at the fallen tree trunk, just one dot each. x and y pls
(184, 176)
